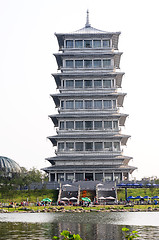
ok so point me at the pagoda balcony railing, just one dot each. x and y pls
(107, 68)
(85, 153)
(62, 110)
(86, 131)
(88, 89)
(86, 49)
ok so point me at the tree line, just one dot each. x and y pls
(20, 181)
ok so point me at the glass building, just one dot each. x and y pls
(88, 144)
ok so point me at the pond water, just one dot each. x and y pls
(90, 226)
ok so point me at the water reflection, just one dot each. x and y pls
(91, 226)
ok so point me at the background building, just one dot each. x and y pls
(88, 144)
(8, 167)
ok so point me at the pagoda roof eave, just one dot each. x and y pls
(106, 168)
(96, 31)
(107, 74)
(88, 158)
(128, 168)
(100, 136)
(74, 115)
(81, 94)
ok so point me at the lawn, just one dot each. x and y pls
(138, 192)
(28, 195)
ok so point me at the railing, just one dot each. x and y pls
(59, 196)
(86, 131)
(79, 193)
(82, 153)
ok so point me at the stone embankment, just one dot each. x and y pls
(80, 210)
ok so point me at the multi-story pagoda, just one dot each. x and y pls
(88, 144)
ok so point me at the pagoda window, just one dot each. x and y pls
(107, 104)
(87, 63)
(88, 146)
(61, 146)
(69, 63)
(97, 83)
(114, 104)
(115, 124)
(99, 176)
(107, 83)
(117, 176)
(69, 146)
(97, 104)
(108, 146)
(88, 125)
(97, 63)
(106, 63)
(116, 146)
(88, 83)
(69, 83)
(88, 43)
(78, 83)
(98, 146)
(88, 104)
(69, 125)
(79, 146)
(79, 125)
(70, 104)
(78, 43)
(106, 43)
(78, 63)
(62, 126)
(60, 176)
(107, 125)
(69, 43)
(108, 176)
(97, 125)
(96, 43)
(62, 104)
(79, 104)
(62, 83)
(69, 176)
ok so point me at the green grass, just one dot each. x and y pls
(34, 195)
(31, 195)
(137, 191)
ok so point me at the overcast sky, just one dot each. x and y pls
(27, 43)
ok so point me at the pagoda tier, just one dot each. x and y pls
(89, 142)
(59, 77)
(88, 32)
(80, 61)
(88, 95)
(76, 116)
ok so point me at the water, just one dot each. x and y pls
(90, 226)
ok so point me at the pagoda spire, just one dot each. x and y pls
(87, 20)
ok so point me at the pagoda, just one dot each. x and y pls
(88, 144)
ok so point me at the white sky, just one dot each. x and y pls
(27, 42)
